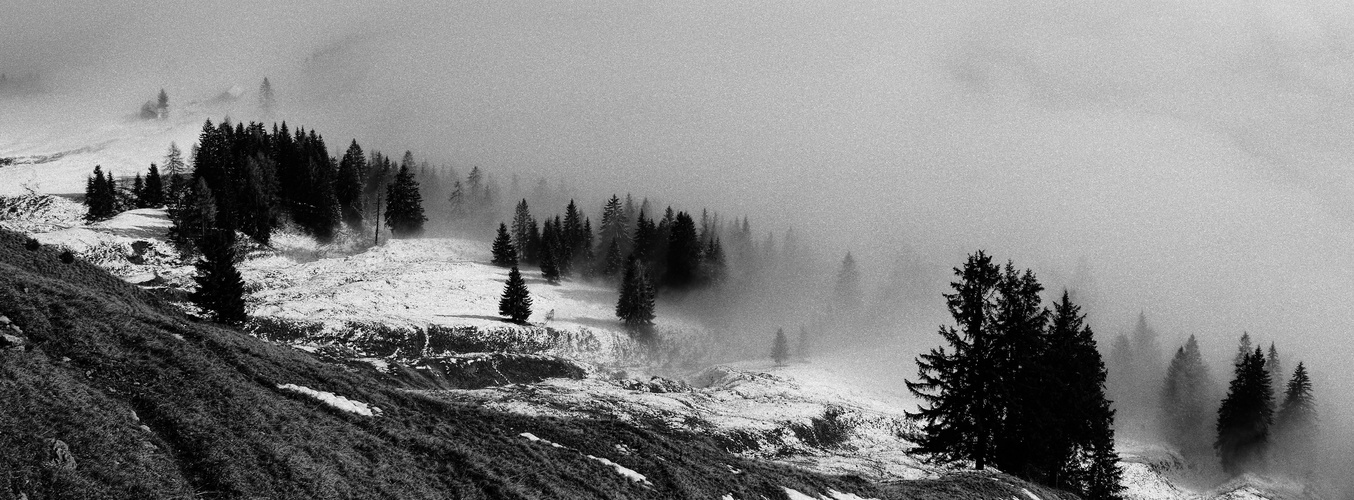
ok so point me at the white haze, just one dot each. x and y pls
(1191, 156)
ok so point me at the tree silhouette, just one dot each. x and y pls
(1245, 416)
(636, 304)
(504, 253)
(404, 205)
(780, 348)
(516, 300)
(220, 289)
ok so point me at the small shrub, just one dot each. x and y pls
(830, 430)
(67, 257)
(32, 244)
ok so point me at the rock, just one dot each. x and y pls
(4, 320)
(8, 341)
(59, 455)
(144, 428)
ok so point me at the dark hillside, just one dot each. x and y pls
(110, 393)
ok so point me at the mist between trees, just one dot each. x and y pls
(747, 286)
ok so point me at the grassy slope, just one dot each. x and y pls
(219, 427)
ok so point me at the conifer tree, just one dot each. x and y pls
(162, 105)
(138, 187)
(220, 289)
(780, 348)
(1081, 454)
(153, 192)
(349, 188)
(549, 268)
(613, 224)
(266, 98)
(1295, 426)
(1019, 346)
(504, 253)
(846, 293)
(1186, 401)
(684, 253)
(959, 416)
(176, 169)
(521, 230)
(1244, 419)
(404, 205)
(613, 263)
(636, 303)
(1275, 369)
(516, 300)
(100, 195)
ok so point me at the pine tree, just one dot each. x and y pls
(846, 292)
(100, 195)
(1081, 454)
(176, 170)
(613, 263)
(266, 99)
(549, 268)
(220, 289)
(153, 193)
(162, 105)
(1295, 426)
(1018, 346)
(349, 188)
(780, 348)
(521, 230)
(959, 417)
(404, 205)
(1244, 419)
(1186, 401)
(1275, 369)
(138, 188)
(684, 253)
(504, 253)
(516, 300)
(636, 303)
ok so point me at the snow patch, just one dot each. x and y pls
(624, 471)
(831, 495)
(1030, 494)
(620, 469)
(796, 495)
(334, 400)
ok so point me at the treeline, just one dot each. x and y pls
(1018, 386)
(1260, 423)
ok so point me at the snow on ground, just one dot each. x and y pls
(56, 143)
(620, 469)
(334, 400)
(831, 495)
(132, 245)
(752, 410)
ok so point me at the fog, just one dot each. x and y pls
(1189, 160)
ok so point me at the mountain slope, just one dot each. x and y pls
(151, 404)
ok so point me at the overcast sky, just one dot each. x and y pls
(1194, 154)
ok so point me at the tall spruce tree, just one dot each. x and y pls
(504, 253)
(521, 228)
(549, 267)
(516, 300)
(220, 288)
(1019, 346)
(780, 348)
(846, 292)
(636, 303)
(684, 253)
(153, 192)
(1081, 433)
(1244, 419)
(1296, 425)
(349, 189)
(177, 172)
(404, 205)
(1187, 400)
(959, 415)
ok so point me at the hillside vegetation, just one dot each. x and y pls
(111, 393)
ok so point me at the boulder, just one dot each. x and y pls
(8, 341)
(59, 455)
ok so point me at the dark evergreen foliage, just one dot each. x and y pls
(521, 230)
(636, 303)
(1295, 427)
(153, 191)
(404, 205)
(504, 253)
(220, 289)
(684, 253)
(1244, 419)
(516, 300)
(100, 196)
(348, 192)
(549, 267)
(1021, 389)
(847, 292)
